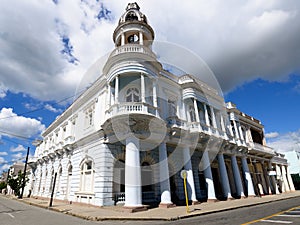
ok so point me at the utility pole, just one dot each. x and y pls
(24, 174)
(53, 189)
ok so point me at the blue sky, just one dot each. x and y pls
(46, 47)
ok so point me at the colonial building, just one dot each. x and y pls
(127, 138)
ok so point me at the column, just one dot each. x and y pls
(133, 182)
(108, 97)
(154, 92)
(224, 177)
(279, 176)
(267, 178)
(241, 131)
(222, 124)
(237, 177)
(143, 88)
(273, 180)
(189, 170)
(290, 180)
(165, 200)
(196, 110)
(285, 181)
(213, 117)
(236, 129)
(246, 134)
(122, 39)
(141, 38)
(211, 195)
(117, 89)
(247, 175)
(206, 117)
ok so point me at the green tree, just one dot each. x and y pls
(2, 185)
(17, 183)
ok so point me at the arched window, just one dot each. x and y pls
(69, 178)
(45, 181)
(52, 180)
(58, 185)
(87, 176)
(131, 16)
(192, 113)
(40, 182)
(132, 95)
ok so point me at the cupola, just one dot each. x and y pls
(133, 28)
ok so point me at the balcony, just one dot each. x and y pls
(132, 48)
(131, 107)
(259, 149)
(175, 122)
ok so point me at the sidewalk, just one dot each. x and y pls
(179, 212)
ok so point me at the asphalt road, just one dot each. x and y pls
(16, 213)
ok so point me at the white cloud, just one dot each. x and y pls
(3, 153)
(17, 157)
(4, 167)
(19, 148)
(272, 135)
(235, 38)
(2, 160)
(3, 90)
(52, 109)
(286, 142)
(12, 124)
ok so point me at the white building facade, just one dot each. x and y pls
(126, 139)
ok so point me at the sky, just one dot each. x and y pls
(252, 47)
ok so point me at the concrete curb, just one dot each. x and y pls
(103, 218)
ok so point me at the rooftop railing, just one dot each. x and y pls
(132, 48)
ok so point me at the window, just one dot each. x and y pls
(59, 174)
(146, 171)
(192, 113)
(133, 38)
(87, 176)
(132, 95)
(131, 16)
(172, 108)
(69, 178)
(89, 117)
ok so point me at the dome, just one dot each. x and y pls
(132, 14)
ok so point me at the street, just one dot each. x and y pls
(14, 212)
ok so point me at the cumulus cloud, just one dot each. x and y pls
(18, 126)
(3, 153)
(3, 90)
(286, 142)
(53, 43)
(272, 135)
(2, 160)
(17, 157)
(52, 109)
(4, 167)
(19, 148)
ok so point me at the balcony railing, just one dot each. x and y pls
(261, 148)
(131, 107)
(148, 196)
(132, 48)
(174, 121)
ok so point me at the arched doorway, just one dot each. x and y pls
(69, 179)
